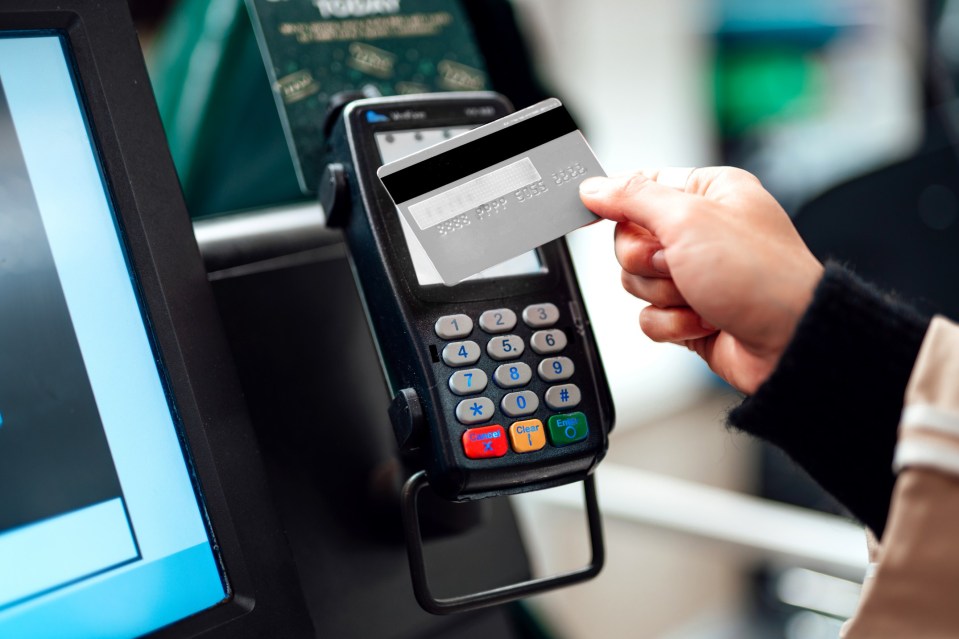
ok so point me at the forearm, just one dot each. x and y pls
(912, 590)
(833, 403)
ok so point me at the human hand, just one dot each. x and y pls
(724, 270)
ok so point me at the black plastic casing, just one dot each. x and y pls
(402, 314)
(263, 593)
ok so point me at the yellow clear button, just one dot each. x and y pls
(527, 435)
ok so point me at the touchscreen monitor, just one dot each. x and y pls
(103, 530)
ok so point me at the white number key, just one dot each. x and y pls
(506, 347)
(551, 341)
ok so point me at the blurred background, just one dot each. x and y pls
(846, 112)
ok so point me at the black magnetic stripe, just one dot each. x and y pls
(479, 154)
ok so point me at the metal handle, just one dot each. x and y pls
(503, 594)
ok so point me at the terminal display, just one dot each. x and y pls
(98, 510)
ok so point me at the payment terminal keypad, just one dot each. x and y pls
(538, 315)
(508, 347)
(551, 341)
(499, 320)
(521, 403)
(553, 369)
(454, 326)
(474, 411)
(513, 375)
(461, 353)
(527, 436)
(487, 441)
(563, 396)
(484, 409)
(469, 381)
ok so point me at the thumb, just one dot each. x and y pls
(634, 198)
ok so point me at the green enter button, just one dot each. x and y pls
(567, 429)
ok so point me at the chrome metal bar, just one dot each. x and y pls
(769, 529)
(247, 237)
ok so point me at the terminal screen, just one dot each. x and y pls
(394, 145)
(102, 533)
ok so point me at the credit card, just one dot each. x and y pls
(495, 192)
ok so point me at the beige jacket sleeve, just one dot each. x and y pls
(914, 591)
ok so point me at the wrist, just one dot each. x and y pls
(834, 400)
(802, 291)
(768, 335)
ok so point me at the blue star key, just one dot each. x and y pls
(475, 411)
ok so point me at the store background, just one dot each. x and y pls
(807, 95)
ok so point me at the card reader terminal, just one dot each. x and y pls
(497, 382)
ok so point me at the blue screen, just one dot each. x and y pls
(102, 533)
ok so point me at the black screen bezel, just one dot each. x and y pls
(157, 238)
(440, 110)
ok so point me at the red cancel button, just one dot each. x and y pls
(488, 441)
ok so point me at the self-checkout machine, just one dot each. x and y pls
(311, 370)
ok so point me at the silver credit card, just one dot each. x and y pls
(495, 192)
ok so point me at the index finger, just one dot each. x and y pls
(652, 198)
(634, 198)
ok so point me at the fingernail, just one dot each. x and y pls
(658, 261)
(706, 325)
(592, 185)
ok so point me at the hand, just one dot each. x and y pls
(721, 264)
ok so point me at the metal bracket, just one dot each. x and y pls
(503, 594)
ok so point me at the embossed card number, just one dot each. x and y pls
(483, 194)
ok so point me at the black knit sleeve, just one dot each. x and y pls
(834, 401)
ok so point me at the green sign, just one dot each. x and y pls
(315, 49)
